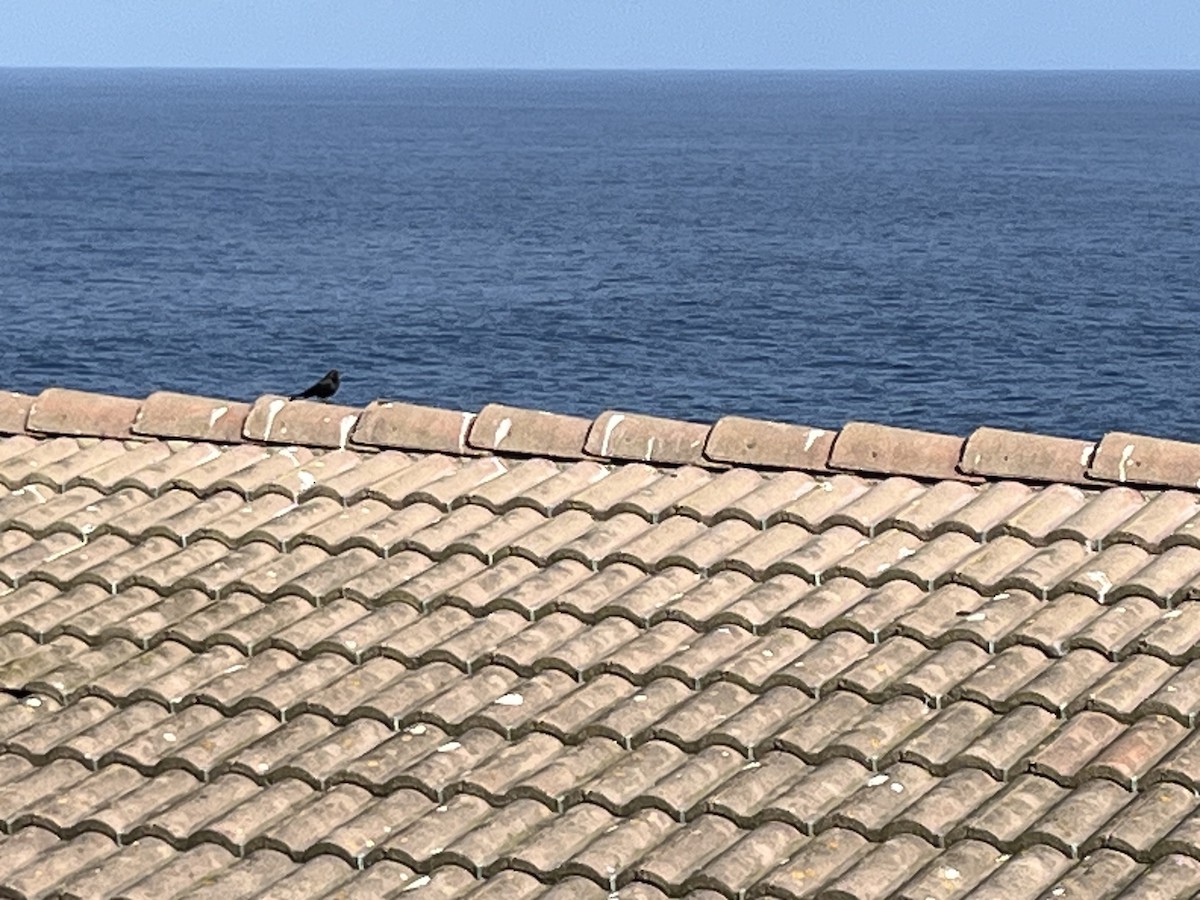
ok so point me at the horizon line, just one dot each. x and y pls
(605, 69)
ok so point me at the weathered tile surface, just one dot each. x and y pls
(322, 668)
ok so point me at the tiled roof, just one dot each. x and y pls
(299, 649)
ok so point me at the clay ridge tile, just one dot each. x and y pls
(531, 432)
(999, 453)
(860, 447)
(277, 420)
(1140, 459)
(166, 414)
(886, 450)
(14, 412)
(781, 445)
(632, 436)
(410, 426)
(80, 413)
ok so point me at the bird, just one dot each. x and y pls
(323, 389)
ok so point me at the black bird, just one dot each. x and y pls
(323, 389)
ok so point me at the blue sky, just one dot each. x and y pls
(622, 34)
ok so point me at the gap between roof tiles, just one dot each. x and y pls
(987, 454)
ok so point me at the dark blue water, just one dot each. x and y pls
(939, 250)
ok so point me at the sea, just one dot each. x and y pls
(939, 250)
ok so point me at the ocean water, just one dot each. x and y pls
(939, 250)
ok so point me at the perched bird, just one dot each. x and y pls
(323, 389)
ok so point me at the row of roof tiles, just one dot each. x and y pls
(593, 811)
(108, 487)
(210, 715)
(519, 796)
(560, 655)
(35, 861)
(781, 618)
(1118, 457)
(536, 565)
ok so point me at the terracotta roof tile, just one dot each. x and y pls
(883, 449)
(743, 441)
(1138, 459)
(63, 411)
(997, 453)
(165, 414)
(632, 436)
(509, 429)
(300, 422)
(14, 411)
(407, 426)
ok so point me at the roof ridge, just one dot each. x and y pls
(614, 436)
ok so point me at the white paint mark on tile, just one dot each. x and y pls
(1102, 582)
(976, 617)
(416, 729)
(215, 415)
(33, 489)
(307, 479)
(613, 421)
(877, 780)
(650, 448)
(897, 787)
(344, 428)
(950, 873)
(35, 702)
(61, 553)
(462, 431)
(812, 437)
(236, 667)
(1086, 454)
(273, 409)
(449, 747)
(513, 699)
(418, 883)
(502, 430)
(1126, 453)
(169, 737)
